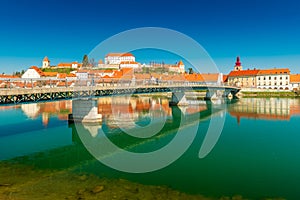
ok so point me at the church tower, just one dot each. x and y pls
(238, 65)
(46, 62)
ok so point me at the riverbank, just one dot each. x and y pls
(267, 93)
(25, 182)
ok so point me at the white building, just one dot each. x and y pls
(129, 64)
(178, 68)
(82, 75)
(33, 72)
(295, 81)
(273, 79)
(117, 58)
(72, 65)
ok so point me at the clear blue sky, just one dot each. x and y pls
(264, 33)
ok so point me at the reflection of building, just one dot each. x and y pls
(261, 108)
(31, 110)
(61, 109)
(123, 110)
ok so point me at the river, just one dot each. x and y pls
(247, 148)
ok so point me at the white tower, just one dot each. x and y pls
(46, 62)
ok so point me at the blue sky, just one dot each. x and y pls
(264, 33)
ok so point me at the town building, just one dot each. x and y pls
(294, 81)
(72, 65)
(33, 72)
(178, 68)
(273, 79)
(242, 78)
(129, 64)
(117, 58)
(278, 79)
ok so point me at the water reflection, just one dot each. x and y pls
(253, 164)
(265, 108)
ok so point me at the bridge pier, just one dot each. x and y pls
(213, 94)
(179, 98)
(85, 111)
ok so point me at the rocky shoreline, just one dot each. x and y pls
(22, 182)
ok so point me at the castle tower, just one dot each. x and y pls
(181, 66)
(46, 62)
(238, 65)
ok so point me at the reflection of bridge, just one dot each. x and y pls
(19, 95)
(69, 151)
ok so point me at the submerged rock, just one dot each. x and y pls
(83, 178)
(98, 189)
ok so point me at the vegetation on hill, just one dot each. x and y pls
(59, 70)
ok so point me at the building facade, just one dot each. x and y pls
(273, 79)
(242, 78)
(117, 58)
(295, 81)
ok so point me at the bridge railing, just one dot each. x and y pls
(6, 84)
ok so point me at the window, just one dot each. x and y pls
(259, 78)
(269, 77)
(286, 78)
(275, 83)
(280, 83)
(264, 78)
(275, 78)
(280, 77)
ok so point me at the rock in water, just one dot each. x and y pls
(98, 189)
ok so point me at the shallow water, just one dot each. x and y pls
(255, 154)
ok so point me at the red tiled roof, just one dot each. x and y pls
(38, 70)
(64, 65)
(8, 76)
(180, 63)
(128, 62)
(194, 77)
(210, 77)
(46, 59)
(295, 78)
(248, 72)
(119, 54)
(225, 78)
(50, 74)
(274, 71)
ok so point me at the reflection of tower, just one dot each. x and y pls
(238, 65)
(238, 119)
(45, 118)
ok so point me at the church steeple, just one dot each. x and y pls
(238, 64)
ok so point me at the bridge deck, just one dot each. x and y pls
(19, 95)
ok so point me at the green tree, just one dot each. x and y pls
(85, 61)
